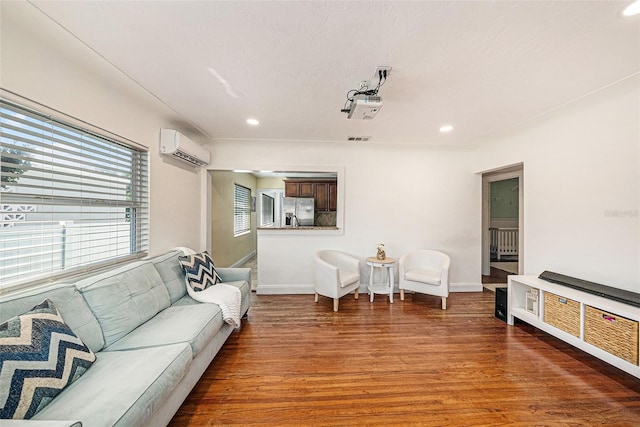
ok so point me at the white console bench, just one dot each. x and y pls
(526, 300)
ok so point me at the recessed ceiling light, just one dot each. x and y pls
(253, 122)
(446, 128)
(632, 9)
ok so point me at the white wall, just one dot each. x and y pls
(227, 249)
(44, 63)
(406, 197)
(581, 186)
(581, 194)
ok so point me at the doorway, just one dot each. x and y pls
(502, 224)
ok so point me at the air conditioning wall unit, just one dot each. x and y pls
(365, 107)
(178, 146)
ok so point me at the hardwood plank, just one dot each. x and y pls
(297, 363)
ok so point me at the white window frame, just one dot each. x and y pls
(91, 186)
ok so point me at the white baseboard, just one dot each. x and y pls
(465, 287)
(243, 260)
(308, 289)
(285, 289)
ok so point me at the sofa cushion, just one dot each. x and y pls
(195, 325)
(39, 356)
(172, 274)
(429, 277)
(124, 298)
(123, 388)
(200, 271)
(71, 305)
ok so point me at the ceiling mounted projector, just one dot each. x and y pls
(364, 107)
(364, 103)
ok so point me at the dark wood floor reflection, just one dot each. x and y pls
(297, 363)
(496, 276)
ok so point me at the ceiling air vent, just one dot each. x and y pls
(358, 138)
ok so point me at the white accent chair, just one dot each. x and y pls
(425, 271)
(336, 274)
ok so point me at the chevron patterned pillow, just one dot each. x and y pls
(39, 356)
(200, 271)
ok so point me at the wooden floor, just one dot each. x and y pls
(496, 276)
(297, 363)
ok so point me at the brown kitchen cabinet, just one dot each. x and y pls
(333, 196)
(325, 193)
(326, 196)
(307, 189)
(291, 189)
(322, 197)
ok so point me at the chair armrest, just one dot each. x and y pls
(232, 274)
(444, 278)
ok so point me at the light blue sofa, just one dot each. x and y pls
(152, 342)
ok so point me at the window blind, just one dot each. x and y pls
(70, 199)
(241, 210)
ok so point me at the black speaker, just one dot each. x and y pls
(501, 304)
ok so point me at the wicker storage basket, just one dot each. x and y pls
(563, 313)
(612, 333)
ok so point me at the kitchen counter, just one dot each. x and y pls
(286, 257)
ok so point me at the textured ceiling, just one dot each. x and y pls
(481, 66)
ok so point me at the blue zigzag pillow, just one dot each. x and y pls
(39, 356)
(200, 271)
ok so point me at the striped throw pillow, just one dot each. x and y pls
(39, 356)
(199, 270)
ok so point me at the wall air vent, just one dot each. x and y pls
(358, 138)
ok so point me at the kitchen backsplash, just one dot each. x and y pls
(325, 219)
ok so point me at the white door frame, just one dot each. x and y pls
(502, 174)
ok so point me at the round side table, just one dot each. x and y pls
(386, 289)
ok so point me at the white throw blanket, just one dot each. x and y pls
(228, 297)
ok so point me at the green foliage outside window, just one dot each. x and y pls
(11, 174)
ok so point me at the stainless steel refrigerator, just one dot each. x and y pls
(298, 211)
